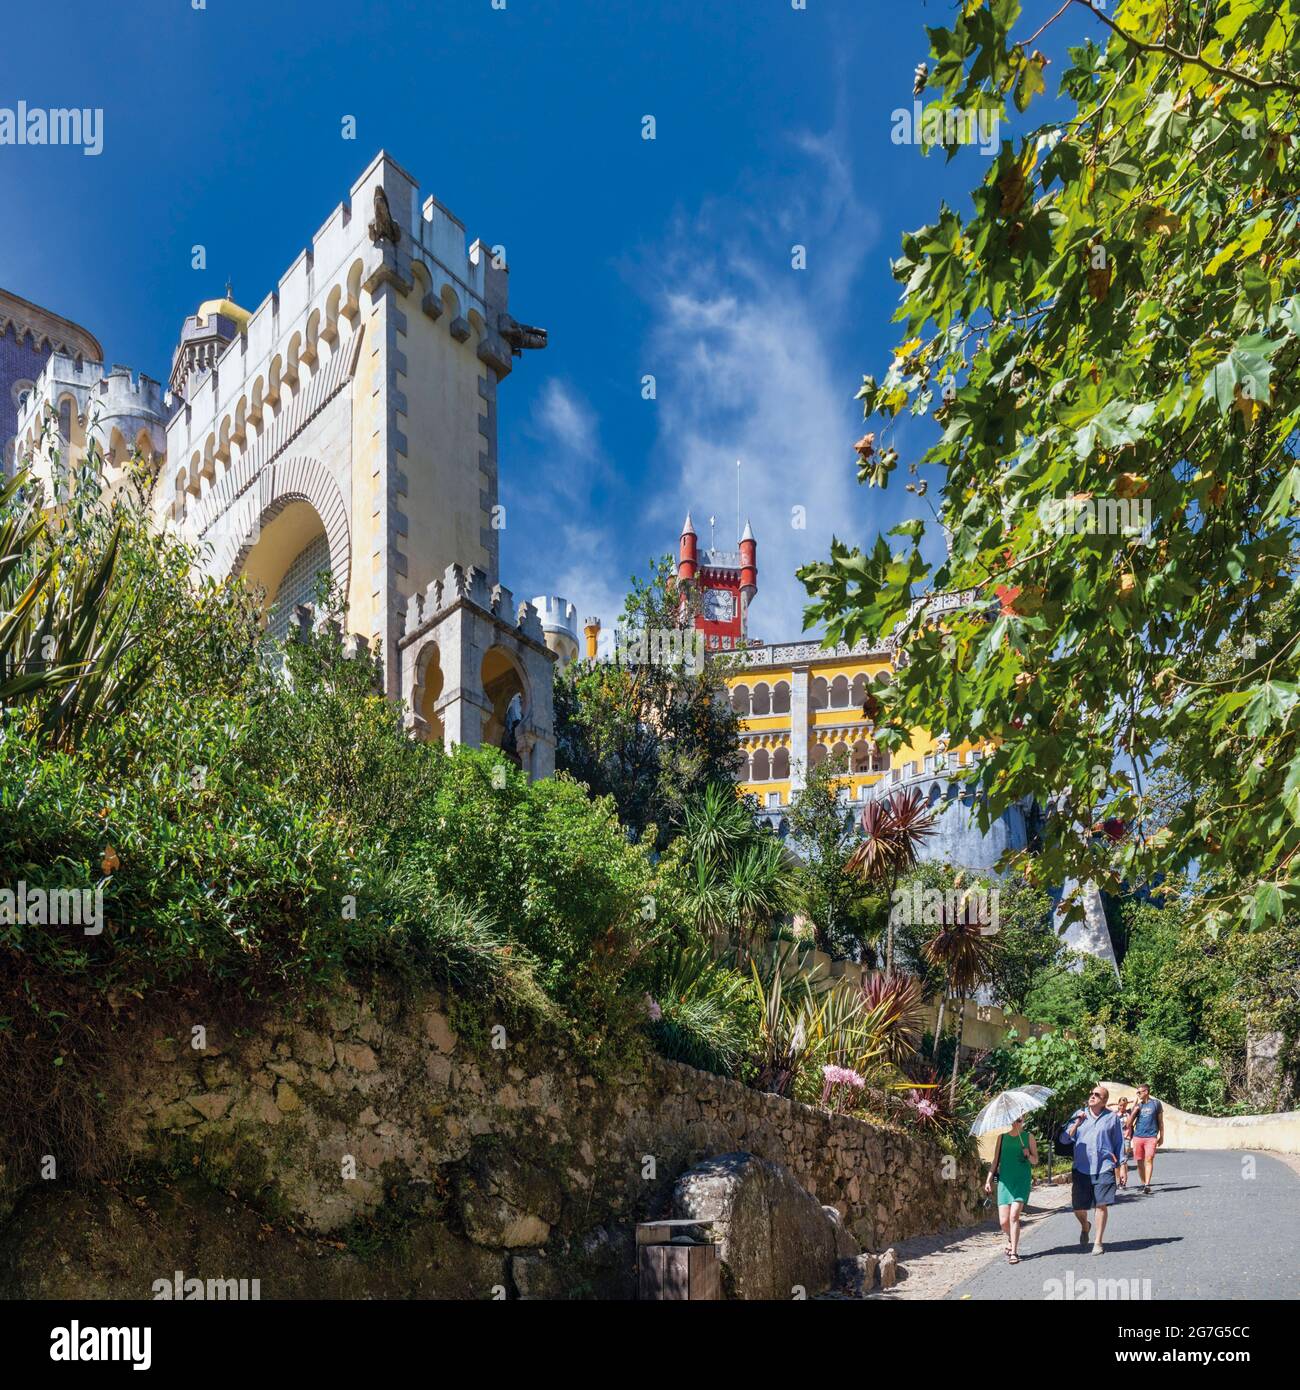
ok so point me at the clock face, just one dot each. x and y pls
(719, 605)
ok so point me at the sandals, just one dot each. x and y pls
(1013, 1259)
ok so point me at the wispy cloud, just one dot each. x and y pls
(565, 419)
(750, 358)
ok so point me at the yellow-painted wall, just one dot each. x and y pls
(777, 726)
(443, 444)
(365, 613)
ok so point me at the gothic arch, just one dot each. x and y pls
(303, 479)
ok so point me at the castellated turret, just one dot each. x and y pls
(748, 565)
(687, 552)
(74, 402)
(560, 626)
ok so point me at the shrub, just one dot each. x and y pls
(707, 1012)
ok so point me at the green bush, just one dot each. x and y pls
(707, 1009)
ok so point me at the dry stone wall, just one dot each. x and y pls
(510, 1171)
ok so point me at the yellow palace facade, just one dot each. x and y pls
(801, 704)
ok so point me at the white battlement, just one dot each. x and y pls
(557, 614)
(318, 298)
(105, 400)
(461, 583)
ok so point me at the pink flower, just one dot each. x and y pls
(839, 1076)
(922, 1104)
(653, 1010)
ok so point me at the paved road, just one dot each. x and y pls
(1208, 1230)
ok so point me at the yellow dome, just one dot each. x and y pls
(227, 308)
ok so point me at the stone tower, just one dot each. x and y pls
(727, 581)
(29, 337)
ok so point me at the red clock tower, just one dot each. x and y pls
(727, 581)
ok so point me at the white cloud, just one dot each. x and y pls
(566, 423)
(751, 364)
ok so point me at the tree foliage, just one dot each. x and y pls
(651, 733)
(1116, 322)
(821, 829)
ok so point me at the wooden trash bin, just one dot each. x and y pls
(677, 1260)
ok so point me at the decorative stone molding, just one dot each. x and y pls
(299, 479)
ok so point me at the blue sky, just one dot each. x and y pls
(669, 257)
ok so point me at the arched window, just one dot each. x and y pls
(742, 767)
(65, 419)
(817, 755)
(861, 757)
(840, 692)
(740, 699)
(860, 688)
(762, 701)
(781, 764)
(817, 693)
(760, 766)
(781, 698)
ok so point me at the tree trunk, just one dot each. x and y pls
(938, 1023)
(956, 1051)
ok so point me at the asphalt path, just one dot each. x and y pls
(1215, 1225)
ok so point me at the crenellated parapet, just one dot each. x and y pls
(416, 244)
(80, 400)
(475, 669)
(468, 585)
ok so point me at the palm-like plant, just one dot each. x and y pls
(737, 873)
(716, 823)
(63, 633)
(705, 894)
(898, 998)
(758, 887)
(893, 831)
(965, 954)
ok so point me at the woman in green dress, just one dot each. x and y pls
(1012, 1170)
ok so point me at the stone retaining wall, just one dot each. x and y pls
(530, 1171)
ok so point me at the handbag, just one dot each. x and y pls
(1062, 1145)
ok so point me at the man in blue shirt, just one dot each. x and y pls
(1147, 1132)
(1098, 1137)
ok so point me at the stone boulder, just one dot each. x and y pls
(504, 1202)
(846, 1243)
(775, 1237)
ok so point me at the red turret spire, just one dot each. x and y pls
(687, 552)
(748, 565)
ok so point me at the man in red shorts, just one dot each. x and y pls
(1148, 1133)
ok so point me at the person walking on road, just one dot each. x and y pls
(1013, 1171)
(1148, 1130)
(1125, 1113)
(1097, 1135)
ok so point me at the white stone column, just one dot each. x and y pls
(798, 729)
